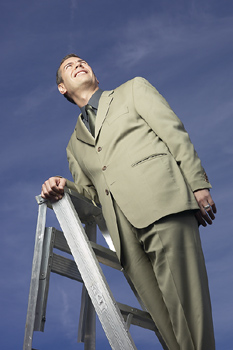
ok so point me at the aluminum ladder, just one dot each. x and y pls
(71, 211)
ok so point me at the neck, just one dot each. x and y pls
(81, 98)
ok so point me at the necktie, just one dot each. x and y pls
(91, 118)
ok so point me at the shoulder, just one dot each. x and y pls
(128, 84)
(136, 85)
(133, 88)
(133, 82)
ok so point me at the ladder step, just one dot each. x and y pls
(65, 267)
(140, 318)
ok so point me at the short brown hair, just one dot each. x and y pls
(59, 79)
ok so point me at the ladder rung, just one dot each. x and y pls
(65, 267)
(140, 318)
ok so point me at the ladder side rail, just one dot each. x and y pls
(34, 285)
(46, 263)
(90, 328)
(87, 318)
(87, 322)
(82, 318)
(95, 282)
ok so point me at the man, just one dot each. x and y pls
(130, 153)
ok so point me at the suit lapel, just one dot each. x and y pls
(81, 131)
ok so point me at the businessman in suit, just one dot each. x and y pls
(130, 153)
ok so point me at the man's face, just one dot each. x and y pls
(76, 73)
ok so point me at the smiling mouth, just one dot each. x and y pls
(80, 73)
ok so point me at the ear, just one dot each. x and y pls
(62, 89)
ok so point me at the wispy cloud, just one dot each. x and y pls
(31, 100)
(170, 38)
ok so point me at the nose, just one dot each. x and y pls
(78, 64)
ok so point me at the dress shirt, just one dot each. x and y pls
(94, 102)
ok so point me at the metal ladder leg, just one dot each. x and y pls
(87, 322)
(87, 319)
(105, 305)
(34, 285)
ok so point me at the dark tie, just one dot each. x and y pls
(91, 118)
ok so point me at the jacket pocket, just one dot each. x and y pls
(146, 159)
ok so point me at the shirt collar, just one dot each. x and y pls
(94, 102)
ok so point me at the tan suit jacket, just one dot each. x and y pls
(141, 155)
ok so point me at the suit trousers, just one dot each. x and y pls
(165, 262)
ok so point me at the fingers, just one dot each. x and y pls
(53, 188)
(214, 208)
(207, 215)
(200, 219)
(208, 210)
(207, 207)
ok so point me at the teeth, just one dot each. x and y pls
(82, 72)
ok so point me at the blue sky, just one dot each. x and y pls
(185, 49)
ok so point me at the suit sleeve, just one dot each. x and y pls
(82, 184)
(155, 110)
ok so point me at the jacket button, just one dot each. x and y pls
(107, 192)
(104, 168)
(99, 149)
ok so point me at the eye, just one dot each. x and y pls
(68, 66)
